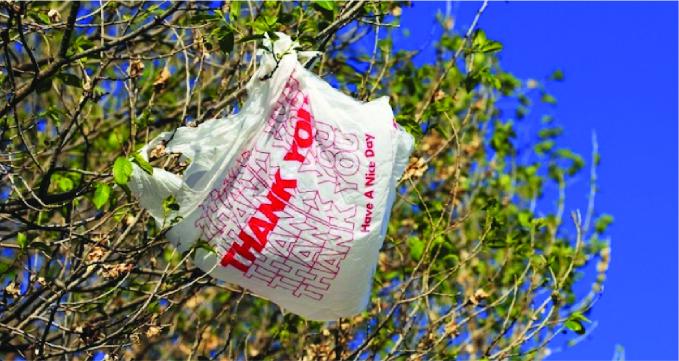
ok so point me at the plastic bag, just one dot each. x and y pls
(293, 193)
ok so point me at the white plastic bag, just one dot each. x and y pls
(293, 192)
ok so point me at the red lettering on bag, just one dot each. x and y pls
(301, 262)
(370, 177)
(303, 136)
(243, 250)
(280, 192)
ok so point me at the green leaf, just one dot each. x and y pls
(451, 259)
(70, 80)
(22, 240)
(202, 18)
(64, 184)
(251, 38)
(122, 170)
(143, 120)
(82, 43)
(575, 322)
(557, 75)
(102, 192)
(153, 307)
(171, 255)
(416, 247)
(489, 47)
(44, 85)
(201, 244)
(142, 163)
(260, 26)
(538, 222)
(4, 268)
(326, 4)
(548, 98)
(115, 140)
(40, 17)
(575, 326)
(550, 132)
(496, 242)
(234, 10)
(603, 222)
(481, 44)
(409, 124)
(578, 316)
(170, 204)
(524, 218)
(285, 18)
(226, 40)
(577, 163)
(120, 213)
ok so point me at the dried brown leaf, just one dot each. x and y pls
(162, 78)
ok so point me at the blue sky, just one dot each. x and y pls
(620, 65)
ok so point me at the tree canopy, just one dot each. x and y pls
(481, 258)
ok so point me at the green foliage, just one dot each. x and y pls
(204, 245)
(481, 44)
(102, 192)
(557, 75)
(170, 205)
(122, 170)
(326, 4)
(22, 240)
(141, 162)
(223, 34)
(475, 264)
(548, 98)
(603, 222)
(575, 323)
(416, 247)
(63, 183)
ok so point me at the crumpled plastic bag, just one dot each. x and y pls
(292, 193)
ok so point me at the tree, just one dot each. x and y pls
(474, 264)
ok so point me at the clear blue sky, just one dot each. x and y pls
(620, 65)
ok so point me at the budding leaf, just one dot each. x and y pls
(490, 46)
(205, 246)
(326, 4)
(170, 204)
(142, 163)
(22, 240)
(557, 75)
(122, 170)
(226, 40)
(575, 323)
(102, 192)
(65, 184)
(603, 222)
(575, 326)
(548, 98)
(481, 44)
(70, 80)
(579, 317)
(235, 9)
(416, 248)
